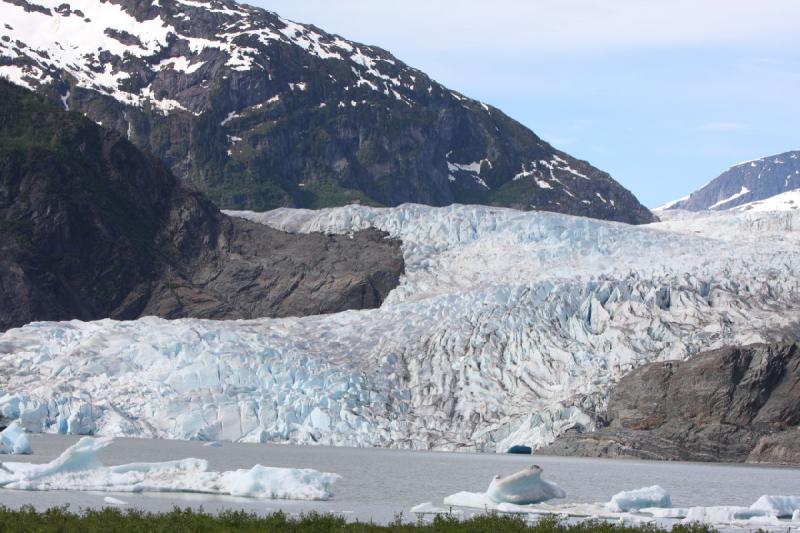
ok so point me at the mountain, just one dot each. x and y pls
(731, 405)
(261, 112)
(507, 327)
(91, 227)
(745, 183)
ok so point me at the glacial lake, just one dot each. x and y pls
(379, 484)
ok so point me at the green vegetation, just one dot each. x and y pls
(185, 520)
(329, 194)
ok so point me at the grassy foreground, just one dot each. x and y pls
(186, 520)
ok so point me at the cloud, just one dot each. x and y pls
(721, 126)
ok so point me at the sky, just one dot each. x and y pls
(662, 94)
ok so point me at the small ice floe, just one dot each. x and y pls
(674, 513)
(633, 500)
(796, 515)
(780, 506)
(510, 493)
(213, 444)
(13, 440)
(80, 468)
(114, 501)
(523, 488)
(729, 514)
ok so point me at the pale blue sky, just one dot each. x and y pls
(663, 94)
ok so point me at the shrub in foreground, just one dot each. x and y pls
(60, 519)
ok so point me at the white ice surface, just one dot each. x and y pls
(781, 506)
(770, 516)
(523, 488)
(787, 201)
(633, 500)
(507, 328)
(13, 440)
(429, 508)
(79, 468)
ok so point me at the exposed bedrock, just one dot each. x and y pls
(738, 404)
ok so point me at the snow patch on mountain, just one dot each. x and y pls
(788, 201)
(744, 190)
(507, 328)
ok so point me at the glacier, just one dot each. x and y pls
(80, 468)
(507, 328)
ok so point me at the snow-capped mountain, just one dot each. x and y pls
(745, 183)
(262, 112)
(508, 327)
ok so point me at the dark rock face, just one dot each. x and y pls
(260, 112)
(90, 227)
(733, 404)
(747, 182)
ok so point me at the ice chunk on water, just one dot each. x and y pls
(780, 506)
(727, 515)
(477, 500)
(523, 488)
(79, 468)
(14, 440)
(796, 515)
(114, 501)
(659, 512)
(632, 500)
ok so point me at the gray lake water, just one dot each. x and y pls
(379, 484)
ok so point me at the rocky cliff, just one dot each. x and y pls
(91, 227)
(732, 404)
(261, 112)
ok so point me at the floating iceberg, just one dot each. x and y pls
(79, 468)
(780, 506)
(523, 488)
(634, 500)
(13, 440)
(796, 515)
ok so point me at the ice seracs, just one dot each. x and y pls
(80, 468)
(507, 328)
(523, 488)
